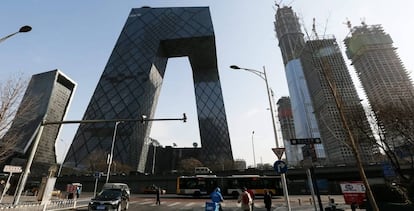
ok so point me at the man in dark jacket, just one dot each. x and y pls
(267, 200)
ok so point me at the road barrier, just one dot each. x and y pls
(53, 205)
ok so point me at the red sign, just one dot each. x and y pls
(353, 191)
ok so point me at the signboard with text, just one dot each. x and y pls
(12, 169)
(353, 191)
(296, 141)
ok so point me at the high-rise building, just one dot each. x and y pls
(130, 85)
(291, 43)
(47, 98)
(285, 116)
(384, 78)
(325, 71)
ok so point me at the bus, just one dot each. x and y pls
(200, 185)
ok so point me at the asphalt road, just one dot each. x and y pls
(172, 202)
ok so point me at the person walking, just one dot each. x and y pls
(158, 192)
(217, 198)
(267, 200)
(252, 195)
(245, 200)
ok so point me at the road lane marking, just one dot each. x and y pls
(173, 204)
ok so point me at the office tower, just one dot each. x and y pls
(325, 69)
(47, 98)
(386, 82)
(291, 43)
(287, 125)
(131, 81)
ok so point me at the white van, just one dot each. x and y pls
(202, 170)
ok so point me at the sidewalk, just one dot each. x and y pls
(305, 202)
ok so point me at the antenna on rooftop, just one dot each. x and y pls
(314, 28)
(348, 24)
(363, 21)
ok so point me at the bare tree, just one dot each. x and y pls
(11, 93)
(393, 128)
(188, 165)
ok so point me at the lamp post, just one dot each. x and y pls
(112, 151)
(263, 76)
(22, 29)
(254, 156)
(39, 132)
(155, 144)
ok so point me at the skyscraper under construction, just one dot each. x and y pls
(291, 44)
(309, 67)
(384, 78)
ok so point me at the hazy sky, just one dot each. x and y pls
(77, 37)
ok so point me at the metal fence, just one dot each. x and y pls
(53, 205)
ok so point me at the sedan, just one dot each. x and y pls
(109, 199)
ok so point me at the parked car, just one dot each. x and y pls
(110, 199)
(153, 189)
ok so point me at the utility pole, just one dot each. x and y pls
(39, 132)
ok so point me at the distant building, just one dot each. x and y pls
(287, 125)
(47, 98)
(291, 43)
(131, 82)
(386, 82)
(240, 164)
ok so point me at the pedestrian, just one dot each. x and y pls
(245, 200)
(217, 198)
(332, 204)
(78, 190)
(354, 205)
(158, 192)
(267, 200)
(2, 186)
(253, 196)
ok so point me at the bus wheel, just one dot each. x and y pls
(235, 194)
(197, 194)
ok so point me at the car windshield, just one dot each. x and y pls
(109, 194)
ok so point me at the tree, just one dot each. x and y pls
(393, 127)
(11, 94)
(188, 165)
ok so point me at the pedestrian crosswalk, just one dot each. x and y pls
(188, 204)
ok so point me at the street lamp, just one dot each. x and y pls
(254, 156)
(155, 144)
(112, 151)
(39, 132)
(263, 76)
(22, 29)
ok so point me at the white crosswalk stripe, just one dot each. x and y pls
(190, 204)
(173, 204)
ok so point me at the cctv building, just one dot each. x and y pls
(47, 98)
(131, 81)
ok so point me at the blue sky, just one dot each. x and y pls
(77, 37)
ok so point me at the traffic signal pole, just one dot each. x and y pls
(39, 132)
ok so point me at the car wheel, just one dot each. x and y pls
(126, 205)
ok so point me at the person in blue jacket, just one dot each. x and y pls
(217, 197)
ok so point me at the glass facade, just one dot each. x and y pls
(130, 85)
(47, 97)
(291, 43)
